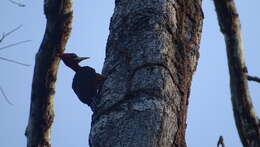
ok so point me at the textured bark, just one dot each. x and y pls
(58, 28)
(246, 120)
(144, 100)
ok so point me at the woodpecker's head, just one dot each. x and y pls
(72, 60)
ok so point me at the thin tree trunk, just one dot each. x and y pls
(58, 28)
(245, 117)
(144, 100)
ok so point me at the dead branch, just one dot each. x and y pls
(17, 3)
(13, 61)
(4, 35)
(221, 142)
(252, 78)
(245, 117)
(5, 96)
(14, 44)
(58, 28)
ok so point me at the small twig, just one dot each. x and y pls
(14, 44)
(17, 3)
(13, 61)
(4, 95)
(12, 31)
(251, 78)
(4, 35)
(221, 141)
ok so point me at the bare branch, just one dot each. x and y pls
(221, 142)
(14, 44)
(4, 95)
(4, 35)
(17, 3)
(13, 61)
(244, 113)
(251, 78)
(38, 130)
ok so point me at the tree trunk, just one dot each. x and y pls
(143, 102)
(245, 117)
(59, 18)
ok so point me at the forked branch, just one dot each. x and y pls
(221, 142)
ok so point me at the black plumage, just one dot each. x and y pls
(85, 84)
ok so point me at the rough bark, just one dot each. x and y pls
(245, 117)
(143, 102)
(58, 28)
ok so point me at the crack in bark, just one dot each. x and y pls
(128, 97)
(144, 90)
(150, 65)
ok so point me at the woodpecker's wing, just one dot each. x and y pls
(85, 84)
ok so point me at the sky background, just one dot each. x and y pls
(210, 113)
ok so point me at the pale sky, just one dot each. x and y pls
(210, 112)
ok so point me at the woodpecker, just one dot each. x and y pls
(86, 82)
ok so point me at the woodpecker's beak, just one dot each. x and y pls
(79, 59)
